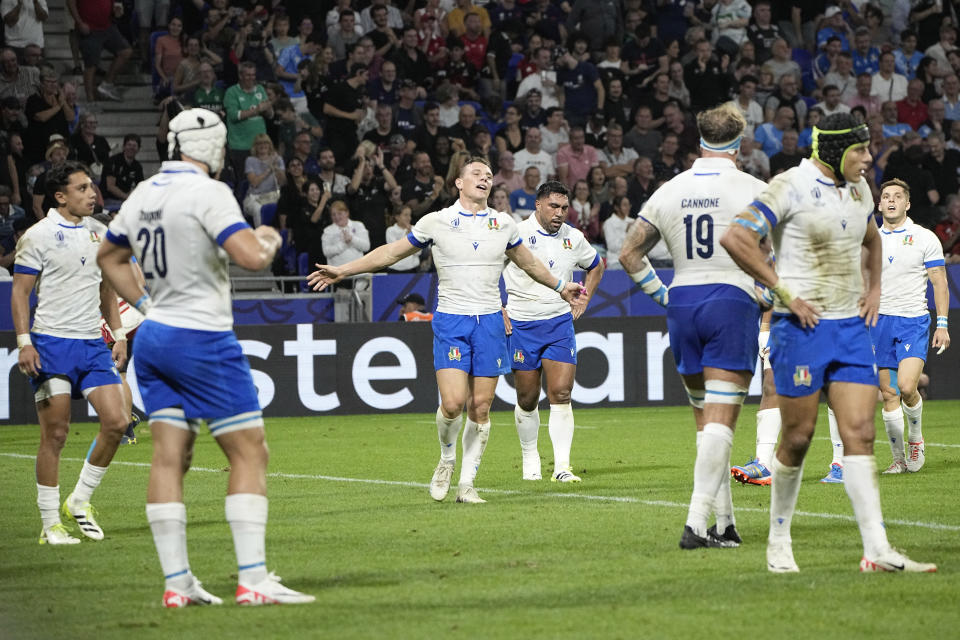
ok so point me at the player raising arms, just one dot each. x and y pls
(712, 315)
(542, 338)
(912, 254)
(63, 353)
(183, 226)
(469, 242)
(820, 216)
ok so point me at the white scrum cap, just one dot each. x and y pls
(200, 134)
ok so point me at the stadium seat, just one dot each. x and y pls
(805, 59)
(267, 213)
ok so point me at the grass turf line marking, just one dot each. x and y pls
(513, 492)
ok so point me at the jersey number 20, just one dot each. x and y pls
(158, 243)
(700, 230)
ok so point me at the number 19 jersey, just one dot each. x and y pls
(176, 223)
(692, 211)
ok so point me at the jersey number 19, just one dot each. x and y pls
(700, 230)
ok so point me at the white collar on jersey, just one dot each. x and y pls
(901, 229)
(712, 166)
(60, 221)
(178, 166)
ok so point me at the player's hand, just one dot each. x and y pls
(571, 291)
(324, 276)
(763, 340)
(764, 297)
(941, 339)
(269, 238)
(507, 325)
(579, 305)
(29, 361)
(119, 353)
(806, 313)
(870, 307)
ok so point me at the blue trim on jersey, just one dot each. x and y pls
(419, 245)
(596, 261)
(30, 271)
(118, 239)
(707, 174)
(471, 215)
(934, 263)
(70, 226)
(179, 171)
(766, 211)
(640, 217)
(549, 235)
(900, 230)
(229, 231)
(511, 246)
(829, 184)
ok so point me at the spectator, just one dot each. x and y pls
(555, 133)
(344, 108)
(23, 22)
(47, 114)
(466, 127)
(543, 80)
(380, 135)
(886, 83)
(281, 38)
(186, 79)
(786, 95)
(615, 230)
(288, 74)
(15, 170)
(789, 155)
(752, 158)
(394, 16)
(831, 101)
(16, 81)
(841, 76)
(746, 105)
(303, 151)
(929, 73)
(55, 156)
(432, 33)
(616, 159)
(827, 60)
(122, 172)
(762, 32)
(780, 62)
(616, 188)
(947, 42)
(575, 159)
(880, 36)
(814, 115)
(457, 18)
(208, 95)
(613, 66)
(97, 32)
(425, 135)
(264, 170)
(167, 54)
(308, 222)
(344, 239)
(675, 121)
(951, 97)
(406, 112)
(908, 164)
(911, 109)
(422, 191)
(677, 88)
(643, 138)
(318, 82)
(599, 187)
(500, 201)
(89, 148)
(942, 163)
(907, 58)
(510, 136)
(474, 41)
(667, 163)
(245, 103)
(834, 26)
(949, 230)
(507, 175)
(866, 58)
(383, 88)
(863, 97)
(292, 196)
(411, 61)
(402, 225)
(348, 32)
(616, 107)
(583, 213)
(533, 113)
(641, 184)
(533, 155)
(523, 200)
(729, 19)
(333, 182)
(220, 36)
(769, 135)
(936, 120)
(892, 127)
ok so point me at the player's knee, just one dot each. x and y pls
(528, 399)
(450, 408)
(55, 435)
(797, 441)
(559, 396)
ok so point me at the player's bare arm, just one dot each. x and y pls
(253, 249)
(380, 258)
(111, 313)
(870, 303)
(523, 258)
(114, 261)
(29, 359)
(742, 240)
(641, 238)
(941, 299)
(590, 284)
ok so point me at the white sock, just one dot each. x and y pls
(168, 522)
(723, 506)
(783, 499)
(893, 423)
(835, 438)
(914, 421)
(48, 501)
(711, 468)
(247, 515)
(474, 442)
(448, 429)
(768, 428)
(89, 480)
(561, 435)
(528, 428)
(860, 481)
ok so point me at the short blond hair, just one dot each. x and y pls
(721, 124)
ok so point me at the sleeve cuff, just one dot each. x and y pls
(118, 239)
(929, 264)
(512, 245)
(229, 231)
(596, 261)
(767, 213)
(30, 271)
(417, 242)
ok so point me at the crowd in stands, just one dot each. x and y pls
(349, 120)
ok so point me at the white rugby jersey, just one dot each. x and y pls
(63, 256)
(692, 211)
(468, 251)
(818, 231)
(908, 251)
(560, 252)
(176, 223)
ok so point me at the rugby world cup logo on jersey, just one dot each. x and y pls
(454, 354)
(61, 239)
(532, 240)
(802, 377)
(455, 222)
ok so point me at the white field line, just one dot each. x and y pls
(570, 496)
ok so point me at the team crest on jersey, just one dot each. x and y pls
(855, 194)
(454, 354)
(94, 236)
(802, 378)
(518, 356)
(493, 224)
(908, 240)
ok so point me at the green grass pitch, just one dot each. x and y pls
(351, 522)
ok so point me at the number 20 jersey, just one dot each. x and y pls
(176, 223)
(692, 211)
